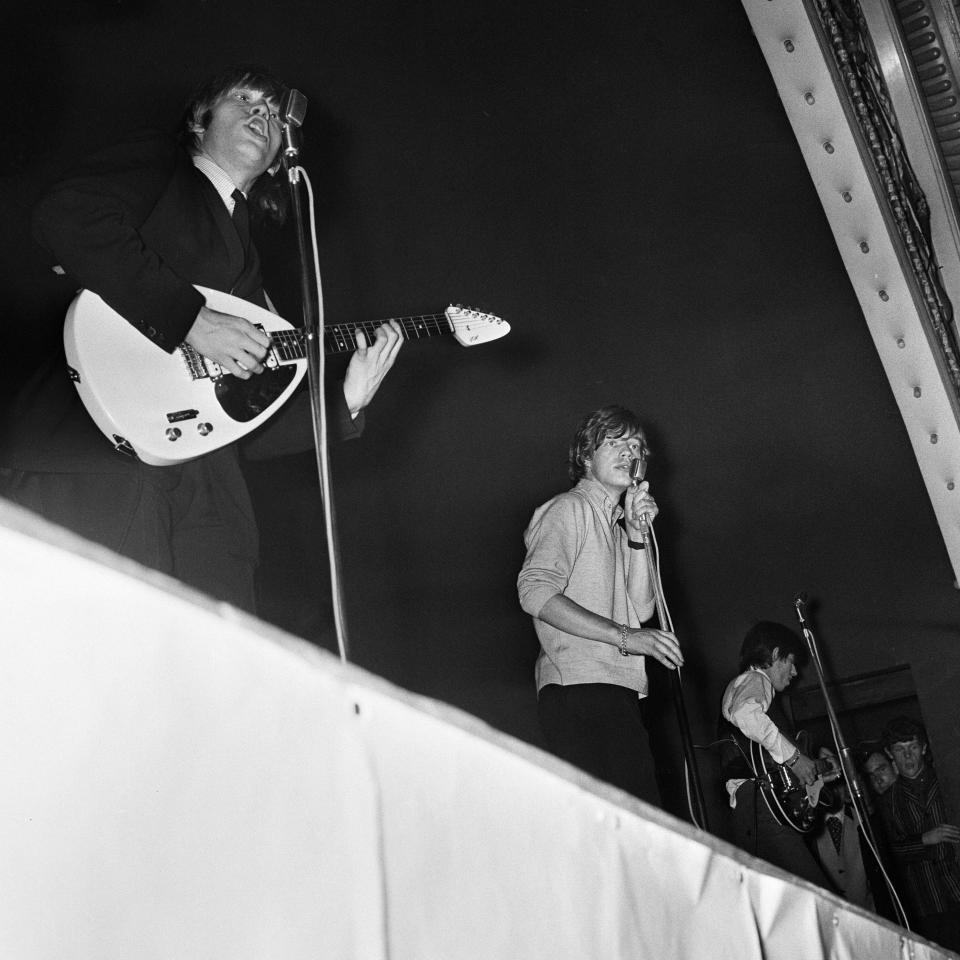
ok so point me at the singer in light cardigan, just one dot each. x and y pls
(586, 584)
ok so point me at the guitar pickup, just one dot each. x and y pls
(179, 415)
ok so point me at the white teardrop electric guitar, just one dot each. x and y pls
(166, 408)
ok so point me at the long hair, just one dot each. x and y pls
(610, 421)
(267, 199)
(765, 637)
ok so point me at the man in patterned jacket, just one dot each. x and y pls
(923, 844)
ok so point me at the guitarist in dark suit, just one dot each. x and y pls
(769, 657)
(139, 223)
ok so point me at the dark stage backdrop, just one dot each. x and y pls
(618, 180)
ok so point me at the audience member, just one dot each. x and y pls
(880, 771)
(923, 844)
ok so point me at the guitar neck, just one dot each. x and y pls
(341, 337)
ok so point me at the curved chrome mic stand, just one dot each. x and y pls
(293, 110)
(849, 767)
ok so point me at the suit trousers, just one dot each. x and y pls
(166, 518)
(758, 832)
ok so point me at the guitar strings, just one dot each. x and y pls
(342, 336)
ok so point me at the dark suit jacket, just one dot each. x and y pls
(138, 224)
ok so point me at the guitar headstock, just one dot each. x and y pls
(471, 327)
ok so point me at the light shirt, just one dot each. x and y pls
(219, 178)
(577, 547)
(745, 704)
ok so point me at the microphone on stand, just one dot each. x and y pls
(799, 603)
(637, 470)
(698, 811)
(293, 109)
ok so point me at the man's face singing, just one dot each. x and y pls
(244, 132)
(610, 463)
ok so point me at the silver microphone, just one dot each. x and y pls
(636, 476)
(293, 109)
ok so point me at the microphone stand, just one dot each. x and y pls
(315, 353)
(846, 755)
(849, 767)
(695, 795)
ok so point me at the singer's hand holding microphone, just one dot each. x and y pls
(638, 506)
(640, 509)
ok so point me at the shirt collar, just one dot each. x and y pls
(597, 494)
(768, 682)
(218, 177)
(920, 783)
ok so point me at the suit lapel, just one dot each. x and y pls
(225, 225)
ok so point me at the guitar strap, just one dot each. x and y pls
(735, 765)
(734, 752)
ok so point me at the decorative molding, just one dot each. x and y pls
(825, 67)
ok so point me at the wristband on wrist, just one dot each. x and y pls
(634, 545)
(623, 640)
(793, 759)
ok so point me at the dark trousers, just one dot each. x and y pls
(166, 518)
(758, 832)
(599, 728)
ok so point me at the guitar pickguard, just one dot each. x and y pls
(788, 800)
(243, 400)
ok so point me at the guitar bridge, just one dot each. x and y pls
(198, 366)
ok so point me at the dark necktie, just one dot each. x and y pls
(241, 220)
(835, 826)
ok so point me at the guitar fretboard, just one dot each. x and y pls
(341, 337)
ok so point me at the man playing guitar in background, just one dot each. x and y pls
(769, 657)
